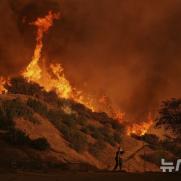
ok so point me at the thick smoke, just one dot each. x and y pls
(128, 49)
(12, 49)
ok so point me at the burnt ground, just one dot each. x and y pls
(88, 176)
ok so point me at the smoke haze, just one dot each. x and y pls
(129, 50)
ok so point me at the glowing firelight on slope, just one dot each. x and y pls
(140, 129)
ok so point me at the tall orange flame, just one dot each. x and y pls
(33, 71)
(53, 78)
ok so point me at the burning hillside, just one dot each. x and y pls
(66, 129)
(51, 77)
(80, 79)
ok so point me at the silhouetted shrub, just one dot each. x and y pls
(16, 108)
(95, 132)
(54, 114)
(116, 125)
(170, 115)
(101, 133)
(78, 140)
(97, 148)
(75, 137)
(37, 106)
(19, 85)
(85, 130)
(64, 129)
(11, 109)
(40, 144)
(81, 110)
(69, 120)
(51, 98)
(110, 140)
(18, 137)
(107, 136)
(150, 138)
(81, 120)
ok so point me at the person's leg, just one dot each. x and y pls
(120, 164)
(116, 165)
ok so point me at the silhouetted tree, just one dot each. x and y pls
(170, 115)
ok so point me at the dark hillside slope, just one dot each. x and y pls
(57, 129)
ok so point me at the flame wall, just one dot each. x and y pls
(128, 49)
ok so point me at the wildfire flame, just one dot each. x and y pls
(140, 129)
(33, 71)
(120, 116)
(107, 106)
(2, 83)
(87, 100)
(53, 78)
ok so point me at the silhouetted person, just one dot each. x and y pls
(118, 158)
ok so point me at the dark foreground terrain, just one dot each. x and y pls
(88, 176)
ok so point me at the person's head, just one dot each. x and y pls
(120, 148)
